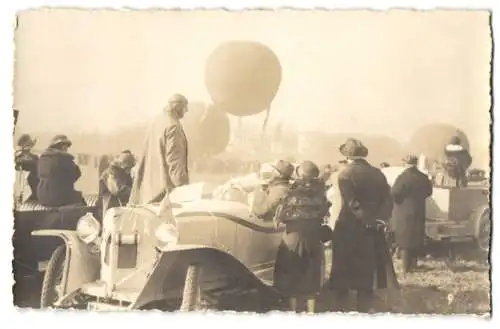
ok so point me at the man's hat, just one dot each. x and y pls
(411, 159)
(353, 148)
(307, 169)
(284, 168)
(26, 141)
(60, 140)
(278, 169)
(177, 99)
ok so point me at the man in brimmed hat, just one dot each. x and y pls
(27, 161)
(360, 257)
(163, 164)
(409, 192)
(58, 174)
(115, 183)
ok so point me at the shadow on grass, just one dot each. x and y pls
(445, 250)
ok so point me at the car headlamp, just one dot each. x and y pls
(166, 234)
(88, 228)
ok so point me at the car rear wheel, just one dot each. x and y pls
(484, 232)
(51, 286)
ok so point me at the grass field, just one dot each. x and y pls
(439, 286)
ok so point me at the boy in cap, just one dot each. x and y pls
(115, 183)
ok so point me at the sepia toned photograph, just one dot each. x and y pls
(305, 161)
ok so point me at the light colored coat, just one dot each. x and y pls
(163, 165)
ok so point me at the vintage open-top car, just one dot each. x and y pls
(31, 254)
(143, 257)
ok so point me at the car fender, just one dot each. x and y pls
(81, 264)
(167, 276)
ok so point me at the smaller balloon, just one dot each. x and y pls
(207, 130)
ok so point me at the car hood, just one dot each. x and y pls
(214, 206)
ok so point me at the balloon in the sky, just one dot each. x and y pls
(207, 130)
(242, 77)
(431, 140)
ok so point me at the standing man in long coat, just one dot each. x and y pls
(163, 165)
(361, 259)
(409, 192)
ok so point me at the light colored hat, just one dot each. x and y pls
(278, 169)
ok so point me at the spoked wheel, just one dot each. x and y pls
(51, 287)
(484, 232)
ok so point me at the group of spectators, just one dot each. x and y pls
(295, 197)
(53, 174)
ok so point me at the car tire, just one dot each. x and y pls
(53, 277)
(483, 236)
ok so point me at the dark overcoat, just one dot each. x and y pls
(360, 255)
(163, 164)
(409, 192)
(114, 188)
(58, 173)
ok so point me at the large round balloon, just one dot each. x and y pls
(242, 77)
(207, 130)
(431, 140)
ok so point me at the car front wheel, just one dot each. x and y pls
(52, 280)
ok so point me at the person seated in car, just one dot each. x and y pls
(115, 183)
(241, 188)
(25, 160)
(58, 173)
(458, 160)
(298, 264)
(272, 189)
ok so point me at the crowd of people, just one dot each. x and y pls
(295, 196)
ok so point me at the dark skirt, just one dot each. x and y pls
(298, 269)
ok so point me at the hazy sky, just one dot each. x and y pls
(359, 71)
